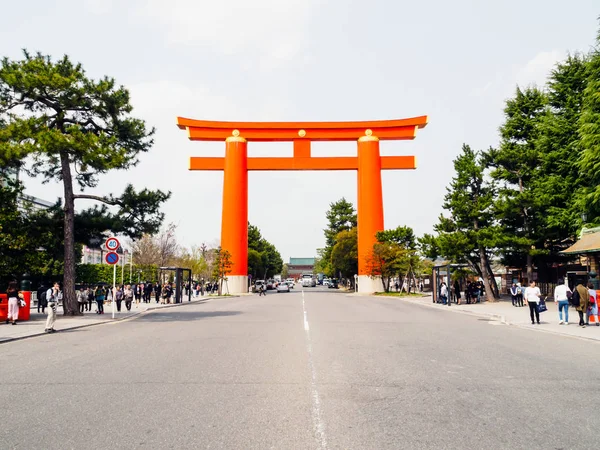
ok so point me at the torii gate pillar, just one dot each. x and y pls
(369, 209)
(234, 225)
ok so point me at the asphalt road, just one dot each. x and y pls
(290, 371)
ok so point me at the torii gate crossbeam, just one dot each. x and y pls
(236, 164)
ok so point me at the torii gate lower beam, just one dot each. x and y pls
(236, 164)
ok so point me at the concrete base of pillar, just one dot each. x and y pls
(368, 285)
(236, 284)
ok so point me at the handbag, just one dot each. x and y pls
(542, 306)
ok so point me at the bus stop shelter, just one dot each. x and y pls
(443, 273)
(180, 274)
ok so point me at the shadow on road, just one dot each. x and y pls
(184, 316)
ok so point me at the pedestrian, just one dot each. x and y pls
(444, 293)
(119, 298)
(457, 291)
(13, 303)
(532, 298)
(561, 297)
(148, 291)
(581, 298)
(82, 299)
(128, 296)
(100, 295)
(53, 295)
(520, 293)
(593, 305)
(42, 303)
(90, 297)
(157, 291)
(513, 294)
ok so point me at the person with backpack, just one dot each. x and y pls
(561, 296)
(42, 303)
(100, 295)
(580, 300)
(53, 296)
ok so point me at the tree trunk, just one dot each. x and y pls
(529, 267)
(485, 274)
(492, 279)
(70, 306)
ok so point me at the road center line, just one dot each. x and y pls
(318, 425)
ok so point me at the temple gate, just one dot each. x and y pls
(368, 163)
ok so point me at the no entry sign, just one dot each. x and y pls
(112, 258)
(112, 244)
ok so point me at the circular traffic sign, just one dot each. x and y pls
(112, 244)
(112, 258)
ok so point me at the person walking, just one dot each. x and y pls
(561, 297)
(13, 303)
(90, 298)
(53, 295)
(532, 298)
(581, 300)
(457, 291)
(100, 295)
(82, 299)
(593, 306)
(41, 299)
(157, 291)
(128, 296)
(444, 293)
(520, 293)
(514, 293)
(119, 298)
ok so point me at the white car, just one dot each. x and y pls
(283, 287)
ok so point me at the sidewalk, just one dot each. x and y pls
(35, 326)
(503, 312)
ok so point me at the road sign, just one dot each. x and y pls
(112, 244)
(112, 258)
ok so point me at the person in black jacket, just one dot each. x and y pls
(42, 302)
(157, 291)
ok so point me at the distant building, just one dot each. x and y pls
(95, 255)
(299, 266)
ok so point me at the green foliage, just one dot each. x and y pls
(344, 254)
(341, 217)
(589, 132)
(103, 273)
(24, 236)
(74, 129)
(394, 254)
(264, 261)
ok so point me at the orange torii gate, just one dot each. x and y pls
(236, 164)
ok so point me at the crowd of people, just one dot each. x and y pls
(474, 290)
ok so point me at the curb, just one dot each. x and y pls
(107, 322)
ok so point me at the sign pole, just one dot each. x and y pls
(114, 300)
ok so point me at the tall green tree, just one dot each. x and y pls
(344, 254)
(74, 129)
(589, 132)
(468, 234)
(558, 183)
(515, 165)
(341, 216)
(264, 261)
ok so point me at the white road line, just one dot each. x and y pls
(318, 424)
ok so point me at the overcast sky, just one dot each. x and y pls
(304, 60)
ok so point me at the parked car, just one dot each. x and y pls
(257, 285)
(271, 284)
(283, 287)
(333, 284)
